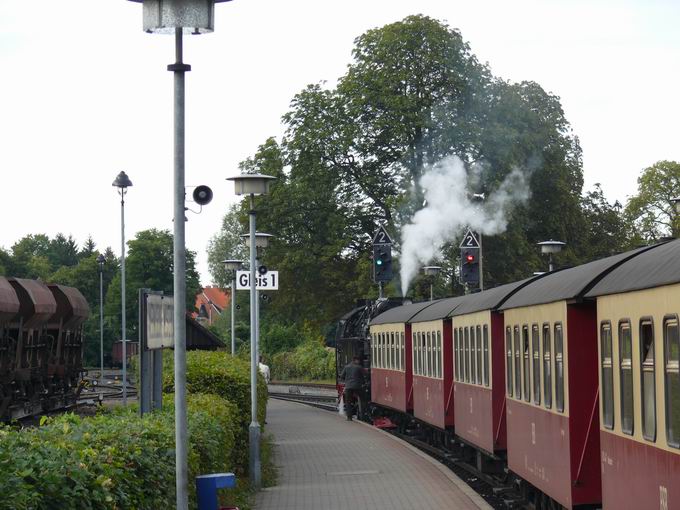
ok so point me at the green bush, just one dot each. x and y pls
(275, 338)
(309, 361)
(114, 460)
(221, 374)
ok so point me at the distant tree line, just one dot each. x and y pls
(61, 260)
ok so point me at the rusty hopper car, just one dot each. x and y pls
(41, 346)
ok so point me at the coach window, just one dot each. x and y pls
(648, 388)
(439, 353)
(486, 355)
(607, 375)
(373, 362)
(671, 341)
(393, 350)
(536, 354)
(547, 367)
(626, 377)
(508, 360)
(402, 351)
(456, 362)
(559, 368)
(386, 338)
(421, 353)
(388, 350)
(473, 357)
(479, 355)
(377, 349)
(414, 349)
(525, 347)
(518, 364)
(466, 354)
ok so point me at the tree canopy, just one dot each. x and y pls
(351, 157)
(652, 210)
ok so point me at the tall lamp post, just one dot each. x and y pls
(676, 207)
(232, 266)
(253, 184)
(551, 247)
(261, 242)
(432, 271)
(100, 264)
(123, 182)
(178, 17)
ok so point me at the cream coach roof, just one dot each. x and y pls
(653, 268)
(568, 284)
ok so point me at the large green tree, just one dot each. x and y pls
(148, 265)
(352, 156)
(652, 208)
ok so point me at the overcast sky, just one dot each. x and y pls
(84, 94)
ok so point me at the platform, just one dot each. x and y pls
(328, 463)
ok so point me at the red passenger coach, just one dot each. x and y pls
(432, 349)
(552, 383)
(479, 368)
(391, 365)
(638, 310)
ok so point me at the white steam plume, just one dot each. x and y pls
(449, 210)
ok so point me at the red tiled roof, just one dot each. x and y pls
(212, 298)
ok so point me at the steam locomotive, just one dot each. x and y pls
(570, 379)
(41, 346)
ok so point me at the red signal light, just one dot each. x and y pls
(469, 258)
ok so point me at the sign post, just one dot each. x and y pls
(267, 281)
(156, 332)
(382, 259)
(471, 261)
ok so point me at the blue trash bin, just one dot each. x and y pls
(207, 486)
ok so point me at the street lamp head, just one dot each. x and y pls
(432, 270)
(261, 239)
(551, 246)
(100, 260)
(192, 16)
(122, 181)
(251, 184)
(232, 265)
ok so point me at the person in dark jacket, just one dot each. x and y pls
(353, 377)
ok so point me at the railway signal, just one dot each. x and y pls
(382, 263)
(469, 259)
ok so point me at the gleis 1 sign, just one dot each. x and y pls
(268, 281)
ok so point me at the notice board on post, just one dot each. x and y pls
(159, 320)
(156, 332)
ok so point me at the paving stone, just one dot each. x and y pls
(328, 463)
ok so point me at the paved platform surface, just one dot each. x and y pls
(328, 463)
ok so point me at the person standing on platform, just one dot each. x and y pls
(353, 377)
(264, 370)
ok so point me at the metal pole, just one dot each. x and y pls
(431, 294)
(122, 291)
(179, 281)
(481, 264)
(101, 322)
(254, 429)
(550, 262)
(380, 290)
(233, 333)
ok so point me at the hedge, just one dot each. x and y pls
(119, 460)
(309, 361)
(113, 460)
(221, 374)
